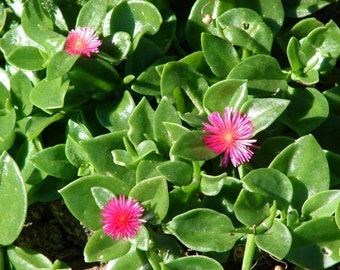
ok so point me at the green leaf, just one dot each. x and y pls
(308, 108)
(271, 11)
(114, 116)
(245, 28)
(177, 172)
(195, 25)
(191, 146)
(36, 14)
(251, 208)
(98, 152)
(299, 9)
(13, 200)
(148, 82)
(305, 164)
(165, 112)
(263, 73)
(27, 58)
(7, 125)
(225, 93)
(137, 18)
(16, 38)
(117, 46)
(49, 94)
(102, 248)
(153, 195)
(204, 230)
(134, 259)
(270, 183)
(177, 74)
(27, 259)
(78, 197)
(3, 15)
(30, 174)
(193, 263)
(211, 185)
(220, 54)
(91, 14)
(316, 244)
(263, 112)
(94, 75)
(337, 215)
(21, 88)
(39, 121)
(269, 243)
(60, 64)
(141, 122)
(321, 204)
(53, 161)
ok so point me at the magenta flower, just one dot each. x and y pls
(230, 134)
(122, 218)
(82, 40)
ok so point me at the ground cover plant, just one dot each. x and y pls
(173, 134)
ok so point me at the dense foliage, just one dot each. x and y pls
(128, 121)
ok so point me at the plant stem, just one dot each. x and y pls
(2, 262)
(249, 252)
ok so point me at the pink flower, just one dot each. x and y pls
(82, 40)
(230, 134)
(122, 218)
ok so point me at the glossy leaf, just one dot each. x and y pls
(314, 246)
(321, 204)
(49, 94)
(211, 185)
(193, 263)
(21, 87)
(79, 198)
(220, 54)
(140, 122)
(308, 178)
(226, 93)
(136, 18)
(13, 200)
(115, 116)
(165, 113)
(91, 14)
(27, 58)
(39, 121)
(177, 172)
(269, 243)
(263, 73)
(23, 258)
(102, 248)
(245, 28)
(191, 146)
(98, 152)
(134, 259)
(308, 108)
(251, 208)
(60, 64)
(7, 125)
(176, 74)
(204, 230)
(263, 112)
(272, 12)
(153, 195)
(270, 183)
(53, 161)
(298, 9)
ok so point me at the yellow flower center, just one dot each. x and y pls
(229, 137)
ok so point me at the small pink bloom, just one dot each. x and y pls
(230, 134)
(122, 218)
(82, 40)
